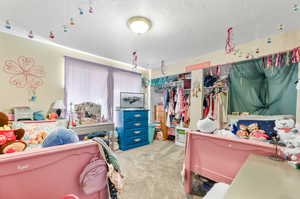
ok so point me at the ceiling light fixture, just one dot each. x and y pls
(139, 25)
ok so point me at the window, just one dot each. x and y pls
(91, 82)
(125, 82)
(86, 82)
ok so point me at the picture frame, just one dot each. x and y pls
(132, 100)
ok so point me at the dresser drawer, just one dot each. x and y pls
(136, 132)
(136, 140)
(135, 115)
(136, 124)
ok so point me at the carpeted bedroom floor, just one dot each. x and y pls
(153, 171)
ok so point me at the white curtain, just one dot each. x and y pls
(85, 82)
(125, 82)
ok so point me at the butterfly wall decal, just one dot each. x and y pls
(24, 73)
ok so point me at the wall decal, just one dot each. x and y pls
(25, 74)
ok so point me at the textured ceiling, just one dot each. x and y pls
(182, 29)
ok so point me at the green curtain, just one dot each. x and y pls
(263, 91)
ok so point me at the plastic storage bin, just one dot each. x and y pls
(151, 132)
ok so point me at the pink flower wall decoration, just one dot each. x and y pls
(24, 73)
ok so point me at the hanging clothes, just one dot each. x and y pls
(166, 99)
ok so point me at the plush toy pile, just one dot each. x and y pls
(10, 140)
(289, 137)
(252, 132)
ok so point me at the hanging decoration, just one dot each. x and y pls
(25, 74)
(229, 47)
(51, 35)
(296, 55)
(280, 27)
(91, 10)
(30, 34)
(72, 23)
(295, 7)
(81, 12)
(134, 59)
(247, 56)
(7, 25)
(163, 67)
(65, 28)
(281, 59)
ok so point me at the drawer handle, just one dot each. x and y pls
(137, 115)
(137, 139)
(229, 145)
(136, 132)
(137, 124)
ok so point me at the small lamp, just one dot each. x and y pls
(59, 106)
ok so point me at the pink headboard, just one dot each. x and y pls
(48, 173)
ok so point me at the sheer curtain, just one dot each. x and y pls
(85, 82)
(125, 82)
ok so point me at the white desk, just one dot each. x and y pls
(262, 178)
(91, 128)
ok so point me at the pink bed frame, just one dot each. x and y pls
(219, 158)
(49, 173)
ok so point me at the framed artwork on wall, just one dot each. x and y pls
(132, 100)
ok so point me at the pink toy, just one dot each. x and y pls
(47, 173)
(219, 158)
(260, 134)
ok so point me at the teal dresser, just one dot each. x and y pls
(132, 127)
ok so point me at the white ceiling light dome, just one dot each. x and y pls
(139, 25)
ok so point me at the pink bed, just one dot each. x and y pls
(219, 158)
(48, 173)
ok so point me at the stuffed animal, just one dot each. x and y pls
(10, 140)
(285, 130)
(38, 139)
(256, 133)
(243, 132)
(60, 136)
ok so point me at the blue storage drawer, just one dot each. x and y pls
(135, 116)
(136, 132)
(132, 128)
(136, 140)
(136, 124)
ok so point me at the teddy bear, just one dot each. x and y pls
(10, 140)
(243, 132)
